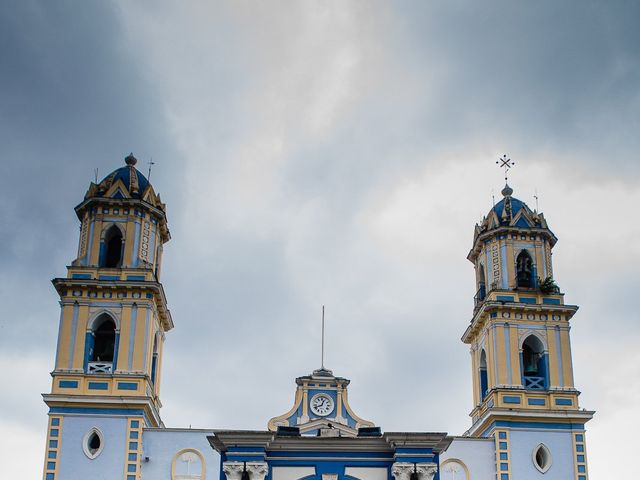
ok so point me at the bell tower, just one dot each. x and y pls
(113, 320)
(523, 387)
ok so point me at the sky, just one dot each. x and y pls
(333, 153)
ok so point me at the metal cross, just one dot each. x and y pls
(150, 163)
(506, 163)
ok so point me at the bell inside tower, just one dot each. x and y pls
(524, 270)
(113, 245)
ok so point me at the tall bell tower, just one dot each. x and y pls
(113, 320)
(523, 387)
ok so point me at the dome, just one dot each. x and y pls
(133, 181)
(512, 212)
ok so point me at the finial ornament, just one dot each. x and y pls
(151, 163)
(130, 160)
(506, 163)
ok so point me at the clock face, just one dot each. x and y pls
(321, 404)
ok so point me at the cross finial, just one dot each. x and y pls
(506, 163)
(150, 163)
(536, 197)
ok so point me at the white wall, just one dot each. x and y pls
(162, 445)
(478, 454)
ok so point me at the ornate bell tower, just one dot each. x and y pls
(106, 377)
(523, 387)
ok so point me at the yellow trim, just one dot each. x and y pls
(56, 449)
(138, 341)
(94, 254)
(137, 451)
(499, 450)
(585, 474)
(296, 403)
(511, 259)
(475, 373)
(125, 333)
(65, 337)
(488, 348)
(567, 367)
(182, 452)
(502, 356)
(554, 376)
(359, 421)
(305, 401)
(516, 378)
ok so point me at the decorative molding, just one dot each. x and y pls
(255, 470)
(455, 466)
(404, 470)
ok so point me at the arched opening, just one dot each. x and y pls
(112, 248)
(154, 360)
(188, 464)
(484, 384)
(524, 270)
(101, 345)
(534, 364)
(482, 289)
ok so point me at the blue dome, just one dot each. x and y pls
(135, 182)
(508, 211)
(516, 206)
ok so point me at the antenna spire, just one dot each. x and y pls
(536, 197)
(322, 345)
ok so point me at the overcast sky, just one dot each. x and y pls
(334, 153)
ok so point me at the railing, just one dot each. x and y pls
(480, 295)
(100, 367)
(534, 383)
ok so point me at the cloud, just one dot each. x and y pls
(326, 153)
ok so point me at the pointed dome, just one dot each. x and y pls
(135, 182)
(132, 180)
(513, 212)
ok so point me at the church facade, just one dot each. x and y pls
(104, 406)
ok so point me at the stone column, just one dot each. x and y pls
(404, 470)
(255, 470)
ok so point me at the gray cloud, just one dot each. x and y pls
(335, 153)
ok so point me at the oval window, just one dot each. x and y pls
(542, 458)
(93, 443)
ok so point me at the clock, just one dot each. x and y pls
(321, 404)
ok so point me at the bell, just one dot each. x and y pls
(531, 368)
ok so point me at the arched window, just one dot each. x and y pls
(482, 289)
(454, 469)
(188, 464)
(101, 345)
(112, 248)
(484, 384)
(534, 364)
(154, 360)
(524, 270)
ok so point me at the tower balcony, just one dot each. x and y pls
(100, 367)
(530, 296)
(76, 272)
